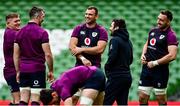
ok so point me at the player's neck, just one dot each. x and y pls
(11, 27)
(165, 28)
(90, 25)
(34, 21)
(8, 26)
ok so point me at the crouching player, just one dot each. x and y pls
(90, 78)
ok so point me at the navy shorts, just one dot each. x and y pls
(96, 81)
(12, 83)
(156, 77)
(33, 80)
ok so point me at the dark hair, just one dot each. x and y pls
(35, 11)
(12, 15)
(46, 96)
(119, 23)
(93, 8)
(168, 14)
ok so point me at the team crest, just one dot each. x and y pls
(94, 34)
(82, 32)
(87, 41)
(140, 82)
(153, 41)
(152, 34)
(161, 37)
(111, 47)
(159, 84)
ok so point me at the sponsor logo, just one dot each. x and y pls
(36, 83)
(152, 34)
(161, 37)
(153, 41)
(87, 41)
(151, 47)
(85, 46)
(94, 34)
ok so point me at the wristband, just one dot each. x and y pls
(155, 63)
(82, 58)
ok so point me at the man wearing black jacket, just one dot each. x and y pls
(117, 67)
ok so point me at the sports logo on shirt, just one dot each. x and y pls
(36, 83)
(152, 34)
(159, 84)
(87, 41)
(140, 82)
(111, 47)
(161, 37)
(82, 32)
(153, 41)
(94, 34)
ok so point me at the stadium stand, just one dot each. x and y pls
(62, 16)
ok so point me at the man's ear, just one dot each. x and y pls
(54, 94)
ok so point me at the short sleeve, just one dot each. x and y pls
(45, 37)
(17, 37)
(172, 39)
(65, 93)
(103, 34)
(76, 30)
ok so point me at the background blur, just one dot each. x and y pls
(63, 15)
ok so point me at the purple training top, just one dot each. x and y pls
(30, 39)
(67, 84)
(158, 42)
(8, 44)
(89, 37)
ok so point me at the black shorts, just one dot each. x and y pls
(156, 77)
(33, 80)
(96, 81)
(12, 83)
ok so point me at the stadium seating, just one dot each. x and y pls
(63, 16)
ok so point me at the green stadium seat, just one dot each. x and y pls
(128, 4)
(49, 4)
(114, 4)
(147, 8)
(61, 4)
(101, 3)
(74, 4)
(87, 3)
(168, 3)
(54, 9)
(8, 3)
(154, 4)
(141, 3)
(35, 3)
(22, 3)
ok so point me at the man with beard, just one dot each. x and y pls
(159, 50)
(31, 50)
(117, 67)
(88, 40)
